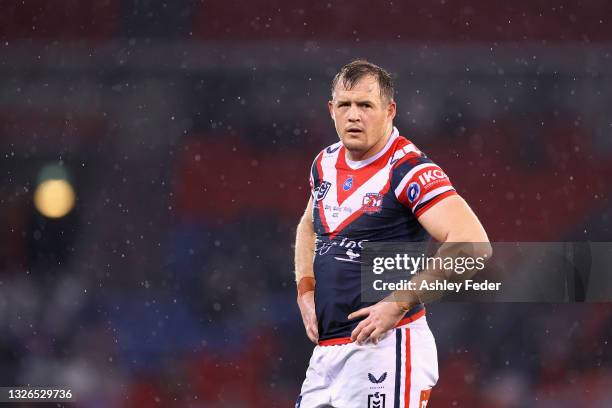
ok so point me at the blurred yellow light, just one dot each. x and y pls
(54, 198)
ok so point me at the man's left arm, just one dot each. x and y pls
(449, 221)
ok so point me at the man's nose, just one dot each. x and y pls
(353, 114)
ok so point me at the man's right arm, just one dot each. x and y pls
(304, 272)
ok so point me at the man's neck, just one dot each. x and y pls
(372, 151)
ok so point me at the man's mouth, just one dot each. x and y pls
(354, 131)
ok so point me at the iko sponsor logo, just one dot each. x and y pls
(431, 176)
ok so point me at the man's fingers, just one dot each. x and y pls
(358, 329)
(376, 335)
(359, 313)
(365, 333)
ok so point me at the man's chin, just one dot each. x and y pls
(354, 145)
(355, 149)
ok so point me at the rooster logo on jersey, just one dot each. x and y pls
(372, 203)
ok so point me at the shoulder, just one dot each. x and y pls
(410, 163)
(417, 181)
(329, 151)
(405, 152)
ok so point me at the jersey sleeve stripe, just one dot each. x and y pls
(407, 177)
(433, 194)
(426, 206)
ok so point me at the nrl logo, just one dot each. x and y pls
(376, 400)
(321, 191)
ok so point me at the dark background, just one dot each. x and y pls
(188, 129)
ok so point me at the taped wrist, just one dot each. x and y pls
(306, 284)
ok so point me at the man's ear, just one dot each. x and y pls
(330, 106)
(392, 110)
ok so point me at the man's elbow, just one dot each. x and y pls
(475, 243)
(481, 246)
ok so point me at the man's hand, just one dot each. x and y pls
(307, 309)
(381, 317)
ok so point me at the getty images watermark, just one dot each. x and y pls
(543, 272)
(408, 265)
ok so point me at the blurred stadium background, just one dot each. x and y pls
(186, 130)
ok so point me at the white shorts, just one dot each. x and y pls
(398, 372)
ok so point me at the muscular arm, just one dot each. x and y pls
(452, 222)
(304, 245)
(304, 273)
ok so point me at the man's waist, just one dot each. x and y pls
(412, 315)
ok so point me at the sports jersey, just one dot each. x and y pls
(374, 200)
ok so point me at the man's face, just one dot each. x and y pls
(362, 118)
